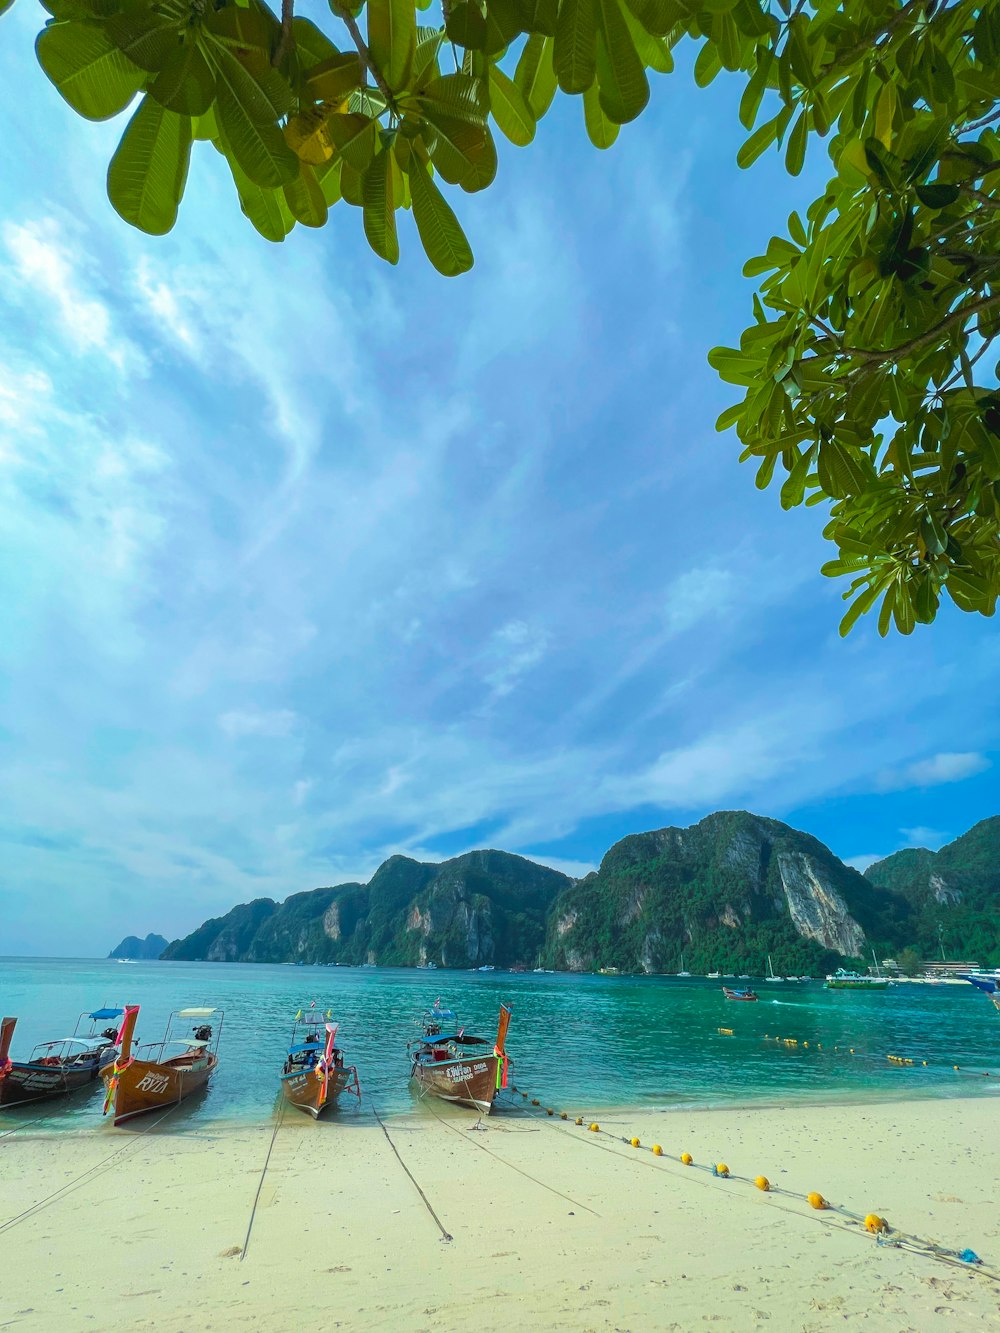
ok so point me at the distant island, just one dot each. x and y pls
(135, 948)
(718, 896)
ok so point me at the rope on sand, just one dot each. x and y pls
(445, 1234)
(527, 1175)
(260, 1183)
(85, 1177)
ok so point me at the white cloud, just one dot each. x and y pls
(272, 725)
(697, 595)
(44, 263)
(948, 766)
(515, 648)
(865, 860)
(921, 836)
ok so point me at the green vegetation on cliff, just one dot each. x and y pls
(953, 895)
(719, 896)
(483, 907)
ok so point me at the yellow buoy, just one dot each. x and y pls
(852, 1050)
(657, 1150)
(816, 1200)
(954, 1066)
(924, 1063)
(578, 1120)
(762, 1183)
(535, 1101)
(875, 1224)
(721, 1169)
(686, 1158)
(594, 1127)
(634, 1143)
(805, 1043)
(563, 1115)
(549, 1111)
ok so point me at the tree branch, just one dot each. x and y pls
(957, 316)
(351, 23)
(286, 42)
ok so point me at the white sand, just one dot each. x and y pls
(342, 1239)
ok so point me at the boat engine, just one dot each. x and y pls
(111, 1034)
(203, 1033)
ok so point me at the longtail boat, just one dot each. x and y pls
(58, 1066)
(747, 994)
(314, 1074)
(988, 984)
(152, 1079)
(452, 1064)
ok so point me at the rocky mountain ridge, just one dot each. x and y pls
(720, 895)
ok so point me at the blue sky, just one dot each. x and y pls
(305, 560)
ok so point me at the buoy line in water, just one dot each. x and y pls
(85, 1177)
(799, 1044)
(870, 1223)
(463, 1134)
(446, 1235)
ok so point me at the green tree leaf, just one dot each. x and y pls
(624, 88)
(392, 38)
(305, 198)
(601, 131)
(440, 232)
(510, 108)
(147, 37)
(147, 174)
(186, 83)
(466, 26)
(88, 70)
(538, 16)
(535, 74)
(575, 52)
(380, 208)
(248, 104)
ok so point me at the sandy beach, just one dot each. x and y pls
(552, 1226)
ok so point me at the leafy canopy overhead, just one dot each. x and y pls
(867, 371)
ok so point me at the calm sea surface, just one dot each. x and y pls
(579, 1042)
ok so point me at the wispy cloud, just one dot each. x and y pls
(44, 261)
(945, 767)
(272, 725)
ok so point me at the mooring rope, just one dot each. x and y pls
(526, 1174)
(91, 1173)
(445, 1234)
(260, 1183)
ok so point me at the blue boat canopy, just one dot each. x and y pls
(984, 983)
(306, 1046)
(106, 1013)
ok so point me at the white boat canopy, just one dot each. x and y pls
(196, 1013)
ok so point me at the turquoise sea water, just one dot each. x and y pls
(580, 1043)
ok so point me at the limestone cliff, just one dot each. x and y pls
(720, 895)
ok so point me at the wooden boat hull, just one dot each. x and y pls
(747, 997)
(470, 1082)
(149, 1085)
(304, 1090)
(37, 1082)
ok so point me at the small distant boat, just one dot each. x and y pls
(451, 1064)
(845, 980)
(746, 994)
(713, 976)
(314, 1075)
(486, 967)
(59, 1066)
(136, 1084)
(771, 975)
